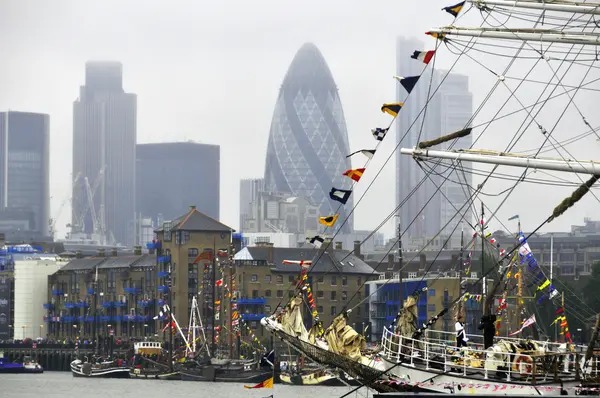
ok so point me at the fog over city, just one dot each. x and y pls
(210, 71)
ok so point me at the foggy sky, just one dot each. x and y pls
(210, 71)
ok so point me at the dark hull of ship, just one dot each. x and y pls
(80, 369)
(211, 373)
(154, 374)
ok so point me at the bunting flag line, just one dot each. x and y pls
(265, 384)
(392, 109)
(340, 195)
(455, 9)
(354, 174)
(423, 56)
(367, 152)
(317, 241)
(379, 133)
(408, 82)
(329, 221)
(526, 324)
(162, 313)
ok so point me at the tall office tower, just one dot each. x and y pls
(173, 176)
(308, 141)
(104, 143)
(448, 110)
(25, 172)
(249, 190)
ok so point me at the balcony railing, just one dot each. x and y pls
(164, 259)
(118, 318)
(132, 290)
(245, 301)
(163, 289)
(67, 318)
(57, 292)
(90, 291)
(153, 245)
(82, 304)
(146, 303)
(107, 304)
(105, 318)
(70, 305)
(252, 317)
(162, 274)
(48, 306)
(120, 304)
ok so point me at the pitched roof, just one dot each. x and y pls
(195, 220)
(340, 261)
(90, 263)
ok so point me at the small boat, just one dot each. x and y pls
(27, 366)
(225, 371)
(100, 369)
(31, 366)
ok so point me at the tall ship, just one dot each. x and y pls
(538, 58)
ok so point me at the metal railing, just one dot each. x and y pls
(539, 362)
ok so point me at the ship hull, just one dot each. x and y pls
(407, 378)
(80, 369)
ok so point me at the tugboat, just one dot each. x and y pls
(146, 364)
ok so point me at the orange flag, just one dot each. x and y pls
(354, 174)
(265, 384)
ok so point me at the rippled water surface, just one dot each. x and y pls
(63, 384)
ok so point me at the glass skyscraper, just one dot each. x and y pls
(308, 141)
(24, 171)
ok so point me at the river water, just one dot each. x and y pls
(64, 385)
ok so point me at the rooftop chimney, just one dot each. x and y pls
(422, 261)
(113, 252)
(78, 254)
(338, 245)
(137, 250)
(390, 261)
(192, 207)
(357, 249)
(101, 253)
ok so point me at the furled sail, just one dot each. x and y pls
(343, 339)
(291, 319)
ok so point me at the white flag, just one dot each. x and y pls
(527, 323)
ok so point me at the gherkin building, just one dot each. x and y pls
(308, 140)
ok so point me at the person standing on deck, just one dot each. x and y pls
(461, 336)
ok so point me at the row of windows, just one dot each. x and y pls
(292, 278)
(333, 296)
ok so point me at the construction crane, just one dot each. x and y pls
(79, 221)
(52, 226)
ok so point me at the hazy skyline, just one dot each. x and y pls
(210, 72)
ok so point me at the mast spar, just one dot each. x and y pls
(558, 6)
(513, 160)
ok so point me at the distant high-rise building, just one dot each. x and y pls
(449, 110)
(308, 141)
(25, 172)
(249, 190)
(175, 175)
(104, 140)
